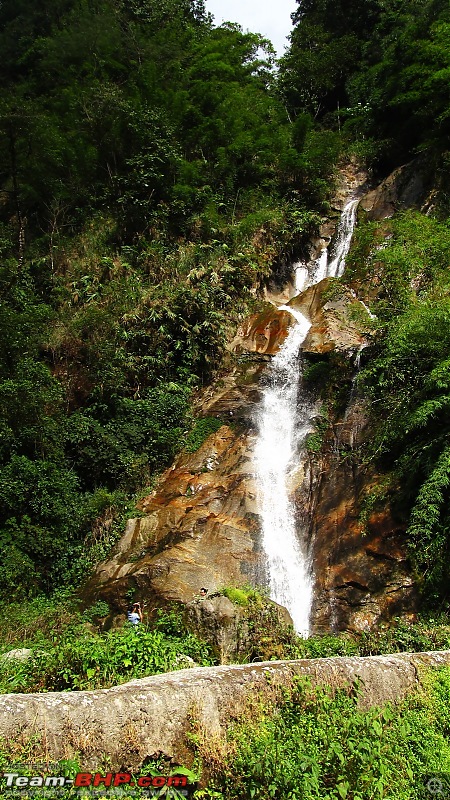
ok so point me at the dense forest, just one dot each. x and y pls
(155, 171)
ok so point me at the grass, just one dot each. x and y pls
(314, 744)
(68, 654)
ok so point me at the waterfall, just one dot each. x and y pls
(283, 424)
(309, 274)
(284, 419)
(343, 238)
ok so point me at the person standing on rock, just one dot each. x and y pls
(134, 615)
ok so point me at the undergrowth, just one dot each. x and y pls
(68, 653)
(70, 650)
(315, 745)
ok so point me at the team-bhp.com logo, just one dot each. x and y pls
(155, 784)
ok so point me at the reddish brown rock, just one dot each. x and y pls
(362, 574)
(199, 529)
(333, 326)
(262, 333)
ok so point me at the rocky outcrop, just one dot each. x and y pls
(362, 573)
(332, 314)
(226, 626)
(262, 333)
(199, 529)
(153, 716)
(409, 186)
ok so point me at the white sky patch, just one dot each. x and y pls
(272, 19)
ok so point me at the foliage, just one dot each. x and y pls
(315, 743)
(374, 69)
(28, 755)
(70, 656)
(402, 636)
(406, 380)
(202, 429)
(242, 595)
(138, 218)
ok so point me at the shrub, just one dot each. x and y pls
(315, 743)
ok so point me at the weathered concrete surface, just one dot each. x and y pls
(140, 718)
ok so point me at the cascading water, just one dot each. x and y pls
(283, 425)
(343, 239)
(309, 274)
(284, 419)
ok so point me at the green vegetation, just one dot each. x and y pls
(203, 428)
(69, 654)
(150, 178)
(29, 757)
(405, 260)
(71, 651)
(155, 172)
(376, 70)
(315, 744)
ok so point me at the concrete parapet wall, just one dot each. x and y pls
(139, 718)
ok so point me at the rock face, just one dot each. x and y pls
(408, 186)
(201, 525)
(145, 717)
(199, 529)
(362, 572)
(332, 326)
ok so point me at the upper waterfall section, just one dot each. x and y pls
(329, 265)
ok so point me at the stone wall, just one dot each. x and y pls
(151, 715)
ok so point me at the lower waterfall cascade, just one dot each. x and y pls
(284, 419)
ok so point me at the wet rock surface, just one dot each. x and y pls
(362, 572)
(331, 313)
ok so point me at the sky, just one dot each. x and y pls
(270, 18)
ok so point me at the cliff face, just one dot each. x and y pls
(362, 572)
(201, 526)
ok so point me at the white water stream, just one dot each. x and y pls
(309, 274)
(284, 419)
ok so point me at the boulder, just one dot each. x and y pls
(219, 622)
(20, 654)
(225, 625)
